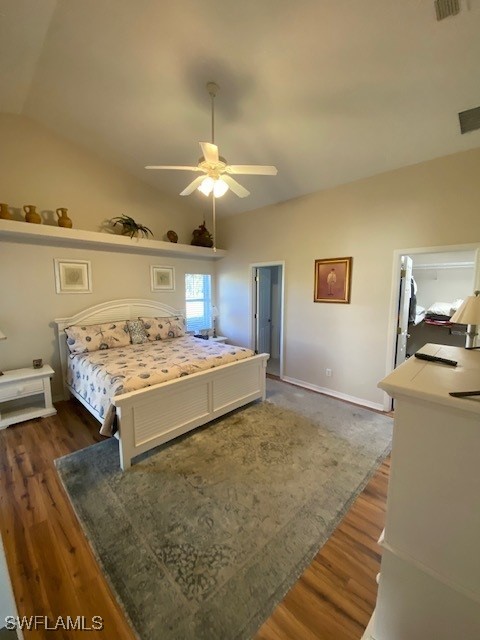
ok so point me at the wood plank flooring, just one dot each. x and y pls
(54, 573)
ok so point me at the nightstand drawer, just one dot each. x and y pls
(18, 389)
(25, 394)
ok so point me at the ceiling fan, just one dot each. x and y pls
(216, 178)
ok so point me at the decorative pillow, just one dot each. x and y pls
(164, 328)
(138, 335)
(93, 337)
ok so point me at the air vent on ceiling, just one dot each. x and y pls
(469, 120)
(446, 8)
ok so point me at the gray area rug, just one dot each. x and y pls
(202, 538)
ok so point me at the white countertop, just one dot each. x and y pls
(433, 381)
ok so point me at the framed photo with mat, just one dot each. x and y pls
(73, 276)
(162, 278)
(332, 280)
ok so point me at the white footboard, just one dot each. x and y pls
(150, 417)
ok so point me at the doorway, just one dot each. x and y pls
(431, 275)
(425, 258)
(267, 313)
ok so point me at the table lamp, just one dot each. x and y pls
(214, 320)
(2, 337)
(469, 313)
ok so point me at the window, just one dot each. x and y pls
(198, 301)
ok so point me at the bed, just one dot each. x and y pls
(439, 313)
(434, 325)
(419, 314)
(150, 416)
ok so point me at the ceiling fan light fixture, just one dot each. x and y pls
(217, 178)
(206, 187)
(218, 186)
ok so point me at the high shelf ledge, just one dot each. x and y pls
(58, 236)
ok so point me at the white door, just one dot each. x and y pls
(263, 278)
(403, 309)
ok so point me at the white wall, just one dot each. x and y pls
(443, 281)
(38, 167)
(431, 204)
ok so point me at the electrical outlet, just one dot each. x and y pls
(328, 373)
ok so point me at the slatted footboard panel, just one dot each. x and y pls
(236, 386)
(170, 414)
(153, 416)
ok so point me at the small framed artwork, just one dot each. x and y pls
(333, 280)
(162, 278)
(73, 276)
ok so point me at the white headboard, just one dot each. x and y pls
(113, 311)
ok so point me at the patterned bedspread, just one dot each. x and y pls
(100, 375)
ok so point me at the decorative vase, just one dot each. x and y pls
(202, 237)
(32, 214)
(172, 236)
(4, 212)
(63, 219)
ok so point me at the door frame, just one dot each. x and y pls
(253, 304)
(395, 294)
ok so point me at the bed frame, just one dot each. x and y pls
(152, 416)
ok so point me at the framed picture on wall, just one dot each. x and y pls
(73, 276)
(332, 280)
(162, 278)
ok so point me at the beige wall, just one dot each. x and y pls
(29, 302)
(40, 168)
(431, 204)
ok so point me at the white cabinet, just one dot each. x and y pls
(25, 394)
(430, 576)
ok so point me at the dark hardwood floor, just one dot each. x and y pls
(54, 573)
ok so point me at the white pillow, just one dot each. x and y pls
(440, 308)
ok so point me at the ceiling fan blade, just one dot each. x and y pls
(210, 151)
(235, 186)
(252, 169)
(177, 168)
(192, 186)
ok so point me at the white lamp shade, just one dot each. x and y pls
(2, 336)
(468, 312)
(218, 186)
(207, 185)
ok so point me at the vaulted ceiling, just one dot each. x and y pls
(329, 91)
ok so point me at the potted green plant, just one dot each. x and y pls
(130, 227)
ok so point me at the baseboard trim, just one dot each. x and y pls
(335, 394)
(312, 387)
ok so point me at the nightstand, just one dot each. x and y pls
(25, 394)
(219, 339)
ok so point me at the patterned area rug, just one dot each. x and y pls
(203, 537)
